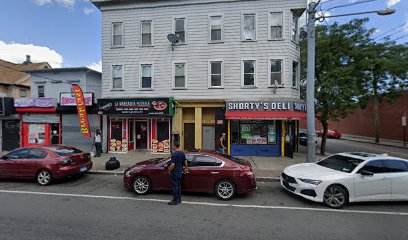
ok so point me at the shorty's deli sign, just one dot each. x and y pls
(143, 107)
(256, 106)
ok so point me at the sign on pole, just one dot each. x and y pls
(81, 107)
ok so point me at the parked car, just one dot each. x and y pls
(44, 164)
(221, 174)
(303, 139)
(330, 134)
(349, 177)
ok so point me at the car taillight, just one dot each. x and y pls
(247, 172)
(67, 161)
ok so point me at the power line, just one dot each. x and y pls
(350, 4)
(398, 38)
(388, 31)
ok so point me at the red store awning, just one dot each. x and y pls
(266, 115)
(35, 110)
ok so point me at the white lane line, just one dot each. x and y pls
(207, 203)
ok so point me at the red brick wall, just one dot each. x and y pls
(361, 122)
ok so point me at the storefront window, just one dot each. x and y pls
(253, 132)
(116, 136)
(162, 143)
(36, 133)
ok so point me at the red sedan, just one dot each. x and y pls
(221, 174)
(44, 163)
(330, 134)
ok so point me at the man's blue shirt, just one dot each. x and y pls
(178, 159)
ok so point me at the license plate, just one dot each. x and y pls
(83, 169)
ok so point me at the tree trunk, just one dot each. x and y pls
(325, 126)
(377, 119)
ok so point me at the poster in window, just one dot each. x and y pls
(36, 133)
(271, 134)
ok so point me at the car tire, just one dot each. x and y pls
(44, 177)
(225, 190)
(335, 196)
(141, 185)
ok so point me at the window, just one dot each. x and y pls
(249, 27)
(216, 31)
(340, 163)
(295, 73)
(36, 154)
(216, 73)
(295, 28)
(146, 32)
(276, 71)
(117, 77)
(117, 34)
(179, 75)
(275, 25)
(393, 166)
(162, 131)
(23, 93)
(18, 154)
(249, 76)
(375, 166)
(146, 76)
(253, 132)
(180, 29)
(206, 161)
(41, 92)
(64, 151)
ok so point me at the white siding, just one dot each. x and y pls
(198, 51)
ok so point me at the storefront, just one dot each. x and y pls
(264, 128)
(9, 125)
(135, 124)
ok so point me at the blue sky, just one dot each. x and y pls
(67, 33)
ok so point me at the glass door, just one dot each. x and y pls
(141, 134)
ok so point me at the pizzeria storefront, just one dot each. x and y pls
(264, 128)
(137, 124)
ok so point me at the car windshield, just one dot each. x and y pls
(340, 163)
(63, 151)
(234, 159)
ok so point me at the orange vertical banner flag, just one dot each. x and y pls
(81, 107)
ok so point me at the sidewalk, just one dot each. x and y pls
(385, 142)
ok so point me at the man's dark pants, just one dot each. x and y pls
(176, 188)
(98, 148)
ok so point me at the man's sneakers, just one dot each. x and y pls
(173, 203)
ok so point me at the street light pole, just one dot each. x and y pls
(310, 83)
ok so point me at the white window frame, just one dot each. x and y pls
(123, 35)
(174, 74)
(210, 27)
(282, 70)
(38, 90)
(255, 28)
(269, 25)
(141, 75)
(296, 40)
(255, 72)
(123, 77)
(209, 73)
(21, 91)
(151, 32)
(297, 74)
(185, 29)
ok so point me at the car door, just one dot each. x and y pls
(373, 187)
(398, 173)
(5, 166)
(33, 162)
(14, 163)
(204, 173)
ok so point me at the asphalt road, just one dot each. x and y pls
(98, 207)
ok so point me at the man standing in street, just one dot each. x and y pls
(98, 143)
(178, 159)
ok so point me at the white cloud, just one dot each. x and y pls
(16, 52)
(42, 2)
(64, 3)
(391, 3)
(97, 66)
(88, 10)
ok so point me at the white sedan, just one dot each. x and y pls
(349, 177)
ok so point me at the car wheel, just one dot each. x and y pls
(44, 177)
(141, 185)
(225, 190)
(335, 196)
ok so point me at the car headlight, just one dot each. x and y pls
(310, 181)
(130, 171)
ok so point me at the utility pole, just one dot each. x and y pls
(310, 85)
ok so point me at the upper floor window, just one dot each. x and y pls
(295, 28)
(216, 73)
(180, 75)
(295, 73)
(117, 77)
(248, 73)
(216, 28)
(180, 29)
(117, 34)
(23, 93)
(275, 25)
(146, 76)
(249, 27)
(40, 90)
(146, 33)
(276, 72)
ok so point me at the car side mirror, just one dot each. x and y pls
(366, 173)
(165, 166)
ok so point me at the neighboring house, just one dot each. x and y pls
(233, 67)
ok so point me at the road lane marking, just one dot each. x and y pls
(376, 149)
(206, 203)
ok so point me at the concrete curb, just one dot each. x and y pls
(102, 172)
(381, 144)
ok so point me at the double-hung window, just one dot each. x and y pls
(117, 77)
(216, 74)
(180, 29)
(146, 33)
(180, 75)
(275, 72)
(216, 28)
(146, 76)
(275, 25)
(248, 73)
(295, 28)
(117, 34)
(41, 91)
(295, 73)
(249, 27)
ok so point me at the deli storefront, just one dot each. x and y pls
(135, 124)
(264, 128)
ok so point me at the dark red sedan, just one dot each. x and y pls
(221, 174)
(330, 134)
(44, 163)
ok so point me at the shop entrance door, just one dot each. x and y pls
(131, 135)
(289, 139)
(189, 136)
(11, 134)
(141, 134)
(209, 137)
